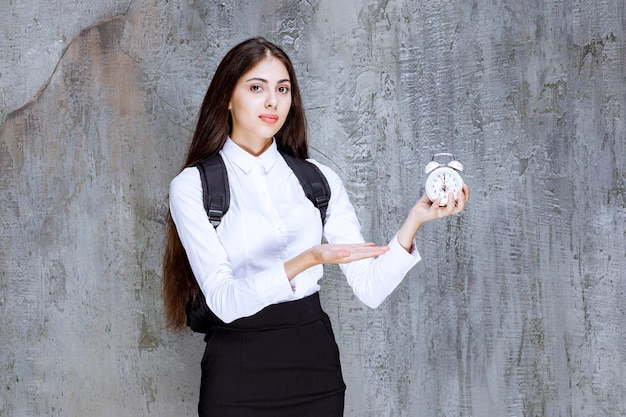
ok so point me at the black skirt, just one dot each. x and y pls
(281, 362)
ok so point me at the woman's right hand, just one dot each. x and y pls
(345, 253)
(332, 254)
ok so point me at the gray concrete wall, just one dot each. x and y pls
(518, 307)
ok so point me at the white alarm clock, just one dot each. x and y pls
(443, 178)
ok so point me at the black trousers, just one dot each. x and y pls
(281, 362)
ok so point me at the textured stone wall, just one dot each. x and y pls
(518, 307)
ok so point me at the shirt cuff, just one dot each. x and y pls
(414, 254)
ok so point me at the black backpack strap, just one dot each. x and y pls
(215, 189)
(313, 182)
(216, 199)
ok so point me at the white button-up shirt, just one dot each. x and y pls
(240, 265)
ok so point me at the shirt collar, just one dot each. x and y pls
(245, 161)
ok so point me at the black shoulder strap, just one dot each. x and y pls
(216, 192)
(215, 189)
(313, 182)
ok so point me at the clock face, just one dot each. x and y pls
(441, 182)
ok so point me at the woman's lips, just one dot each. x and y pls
(269, 118)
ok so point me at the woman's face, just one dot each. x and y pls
(259, 105)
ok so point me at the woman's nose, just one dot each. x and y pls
(271, 101)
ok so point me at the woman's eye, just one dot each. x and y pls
(256, 87)
(283, 89)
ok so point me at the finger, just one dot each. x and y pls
(461, 202)
(377, 249)
(343, 253)
(435, 204)
(372, 251)
(351, 246)
(369, 252)
(460, 206)
(465, 194)
(450, 205)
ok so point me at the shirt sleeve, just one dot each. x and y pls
(372, 280)
(227, 297)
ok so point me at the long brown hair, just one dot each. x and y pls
(212, 130)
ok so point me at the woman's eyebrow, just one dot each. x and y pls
(263, 80)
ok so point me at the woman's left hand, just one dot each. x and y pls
(425, 210)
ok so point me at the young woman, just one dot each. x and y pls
(273, 353)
